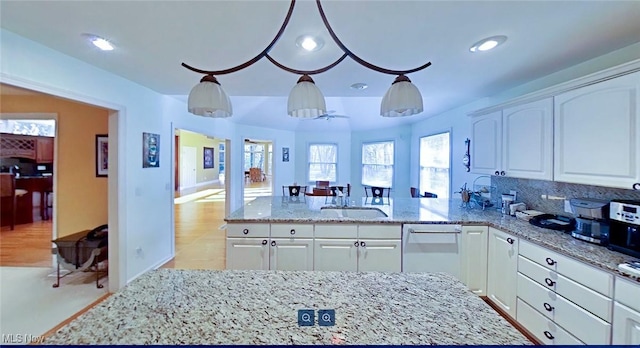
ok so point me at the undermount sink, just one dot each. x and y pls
(355, 213)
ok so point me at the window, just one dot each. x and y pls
(46, 128)
(221, 157)
(434, 164)
(253, 156)
(377, 164)
(323, 162)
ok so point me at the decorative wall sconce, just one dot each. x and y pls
(305, 100)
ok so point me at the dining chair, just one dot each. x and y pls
(415, 193)
(322, 184)
(293, 190)
(9, 192)
(380, 191)
(429, 195)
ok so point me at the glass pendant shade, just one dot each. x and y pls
(209, 99)
(306, 100)
(402, 99)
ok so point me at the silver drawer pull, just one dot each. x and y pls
(548, 307)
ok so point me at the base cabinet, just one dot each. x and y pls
(335, 254)
(247, 253)
(626, 325)
(502, 270)
(544, 329)
(379, 255)
(473, 263)
(291, 254)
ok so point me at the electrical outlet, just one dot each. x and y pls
(567, 206)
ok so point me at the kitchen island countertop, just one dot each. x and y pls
(169, 306)
(426, 211)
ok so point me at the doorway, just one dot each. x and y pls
(258, 168)
(200, 201)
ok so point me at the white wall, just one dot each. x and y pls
(402, 150)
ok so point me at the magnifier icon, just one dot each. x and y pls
(326, 317)
(306, 318)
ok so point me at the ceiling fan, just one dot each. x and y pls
(328, 116)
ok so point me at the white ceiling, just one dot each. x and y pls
(154, 37)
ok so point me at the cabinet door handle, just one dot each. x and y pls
(549, 281)
(264, 242)
(497, 173)
(549, 335)
(510, 240)
(356, 244)
(636, 186)
(550, 261)
(293, 231)
(363, 244)
(245, 231)
(502, 173)
(548, 307)
(273, 243)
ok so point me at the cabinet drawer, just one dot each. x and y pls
(291, 230)
(588, 276)
(336, 231)
(543, 328)
(248, 230)
(584, 297)
(380, 231)
(580, 323)
(628, 293)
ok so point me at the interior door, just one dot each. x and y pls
(188, 166)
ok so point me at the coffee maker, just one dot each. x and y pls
(592, 219)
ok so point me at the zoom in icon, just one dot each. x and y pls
(306, 317)
(326, 317)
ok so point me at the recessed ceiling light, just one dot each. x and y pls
(488, 43)
(359, 86)
(99, 42)
(309, 43)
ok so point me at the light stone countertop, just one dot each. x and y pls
(174, 307)
(427, 211)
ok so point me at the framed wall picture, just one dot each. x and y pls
(102, 155)
(207, 157)
(150, 150)
(285, 154)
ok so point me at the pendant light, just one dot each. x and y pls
(209, 99)
(402, 99)
(305, 99)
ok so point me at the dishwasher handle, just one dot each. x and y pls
(448, 229)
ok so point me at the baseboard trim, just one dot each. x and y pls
(512, 321)
(200, 184)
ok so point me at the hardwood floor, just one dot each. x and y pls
(200, 243)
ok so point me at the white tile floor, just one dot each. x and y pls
(30, 306)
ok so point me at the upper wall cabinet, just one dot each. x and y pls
(517, 141)
(596, 133)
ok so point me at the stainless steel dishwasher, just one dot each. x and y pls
(431, 248)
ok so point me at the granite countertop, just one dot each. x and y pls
(173, 307)
(428, 211)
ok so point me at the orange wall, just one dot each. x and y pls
(81, 196)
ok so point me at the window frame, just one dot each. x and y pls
(393, 158)
(309, 145)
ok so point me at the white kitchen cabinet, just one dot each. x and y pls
(248, 253)
(596, 133)
(335, 254)
(527, 150)
(516, 141)
(473, 264)
(626, 326)
(380, 255)
(343, 247)
(486, 143)
(502, 270)
(544, 329)
(291, 254)
(626, 313)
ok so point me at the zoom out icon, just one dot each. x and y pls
(306, 317)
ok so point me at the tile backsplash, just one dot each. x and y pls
(549, 196)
